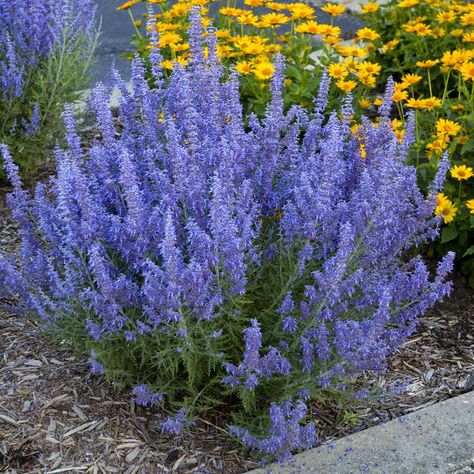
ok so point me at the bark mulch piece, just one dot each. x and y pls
(55, 417)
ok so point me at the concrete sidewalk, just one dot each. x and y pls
(436, 440)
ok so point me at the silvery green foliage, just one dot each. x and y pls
(46, 49)
(205, 257)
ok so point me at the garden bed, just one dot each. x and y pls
(56, 417)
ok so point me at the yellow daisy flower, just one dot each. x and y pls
(448, 210)
(470, 205)
(428, 63)
(334, 9)
(447, 127)
(346, 86)
(461, 172)
(367, 34)
(370, 7)
(337, 71)
(263, 70)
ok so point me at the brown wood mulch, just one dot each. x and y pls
(57, 418)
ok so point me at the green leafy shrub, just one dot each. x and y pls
(204, 258)
(46, 50)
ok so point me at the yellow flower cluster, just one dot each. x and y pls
(439, 36)
(246, 36)
(446, 130)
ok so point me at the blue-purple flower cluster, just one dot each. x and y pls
(286, 433)
(29, 31)
(211, 254)
(35, 38)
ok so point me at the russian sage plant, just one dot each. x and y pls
(204, 258)
(46, 49)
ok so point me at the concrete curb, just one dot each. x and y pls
(434, 440)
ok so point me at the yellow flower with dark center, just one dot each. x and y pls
(274, 48)
(370, 7)
(411, 79)
(428, 63)
(413, 103)
(390, 45)
(253, 49)
(367, 34)
(331, 40)
(408, 3)
(229, 11)
(337, 71)
(200, 3)
(328, 30)
(467, 71)
(224, 51)
(274, 19)
(447, 210)
(369, 68)
(178, 10)
(467, 19)
(247, 19)
(243, 67)
(457, 57)
(446, 17)
(461, 172)
(448, 59)
(438, 32)
(401, 86)
(456, 32)
(366, 79)
(171, 64)
(421, 29)
(353, 51)
(447, 127)
(311, 27)
(436, 148)
(164, 27)
(168, 39)
(398, 95)
(468, 37)
(441, 199)
(470, 205)
(350, 64)
(408, 27)
(346, 86)
(301, 11)
(430, 103)
(222, 33)
(334, 9)
(276, 6)
(179, 47)
(263, 70)
(396, 124)
(254, 3)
